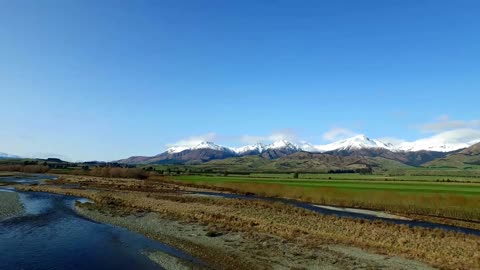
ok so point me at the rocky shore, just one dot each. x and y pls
(10, 204)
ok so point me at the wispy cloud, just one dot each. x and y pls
(284, 134)
(194, 140)
(444, 123)
(466, 136)
(338, 133)
(460, 137)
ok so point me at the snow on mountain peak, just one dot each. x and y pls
(431, 144)
(202, 145)
(354, 143)
(282, 144)
(258, 147)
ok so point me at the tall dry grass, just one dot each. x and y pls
(446, 250)
(439, 205)
(24, 168)
(112, 172)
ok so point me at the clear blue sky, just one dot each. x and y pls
(109, 79)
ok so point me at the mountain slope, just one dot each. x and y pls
(207, 151)
(254, 149)
(464, 159)
(279, 149)
(409, 158)
(409, 153)
(301, 161)
(355, 143)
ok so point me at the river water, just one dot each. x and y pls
(50, 235)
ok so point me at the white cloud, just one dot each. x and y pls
(194, 140)
(285, 134)
(338, 133)
(444, 123)
(467, 136)
(392, 140)
(444, 141)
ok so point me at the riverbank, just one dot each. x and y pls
(267, 232)
(234, 250)
(10, 205)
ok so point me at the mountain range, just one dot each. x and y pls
(409, 153)
(465, 159)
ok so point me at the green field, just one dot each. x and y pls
(447, 177)
(408, 195)
(347, 182)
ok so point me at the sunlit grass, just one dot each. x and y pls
(459, 201)
(447, 250)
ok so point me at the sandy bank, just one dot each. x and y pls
(362, 211)
(233, 250)
(167, 261)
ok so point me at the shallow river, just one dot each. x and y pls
(50, 235)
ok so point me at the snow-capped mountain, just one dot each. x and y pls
(283, 144)
(202, 145)
(431, 145)
(412, 153)
(254, 148)
(258, 147)
(355, 143)
(307, 147)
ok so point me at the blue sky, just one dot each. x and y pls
(109, 79)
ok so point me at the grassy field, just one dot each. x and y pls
(451, 200)
(367, 177)
(445, 250)
(349, 182)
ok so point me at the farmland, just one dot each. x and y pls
(405, 195)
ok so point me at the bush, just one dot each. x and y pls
(25, 168)
(119, 173)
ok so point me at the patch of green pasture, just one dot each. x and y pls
(409, 187)
(366, 177)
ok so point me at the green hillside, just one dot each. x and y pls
(468, 158)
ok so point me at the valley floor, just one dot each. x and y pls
(254, 234)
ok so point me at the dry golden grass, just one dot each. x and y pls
(437, 205)
(24, 168)
(446, 250)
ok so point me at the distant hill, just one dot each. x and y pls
(356, 147)
(299, 162)
(416, 158)
(464, 159)
(351, 153)
(188, 156)
(207, 151)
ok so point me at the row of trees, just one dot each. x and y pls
(113, 172)
(367, 170)
(24, 168)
